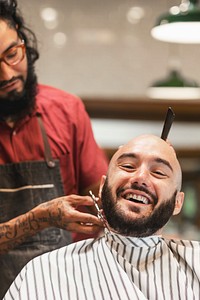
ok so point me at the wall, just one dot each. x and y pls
(104, 53)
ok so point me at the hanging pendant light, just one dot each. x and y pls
(175, 87)
(180, 25)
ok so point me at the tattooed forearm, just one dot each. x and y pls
(60, 212)
(21, 225)
(15, 231)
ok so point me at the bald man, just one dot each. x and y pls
(139, 194)
(147, 173)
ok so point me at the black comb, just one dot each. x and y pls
(168, 123)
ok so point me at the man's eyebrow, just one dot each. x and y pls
(157, 159)
(165, 162)
(127, 155)
(13, 44)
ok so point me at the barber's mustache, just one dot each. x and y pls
(5, 82)
(138, 187)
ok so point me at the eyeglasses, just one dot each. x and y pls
(14, 55)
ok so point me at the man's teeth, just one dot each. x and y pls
(137, 198)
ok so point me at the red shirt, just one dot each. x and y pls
(70, 137)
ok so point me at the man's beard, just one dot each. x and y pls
(140, 227)
(15, 105)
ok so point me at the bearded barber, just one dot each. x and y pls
(47, 148)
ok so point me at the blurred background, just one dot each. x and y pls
(103, 51)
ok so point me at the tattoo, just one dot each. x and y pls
(15, 231)
(55, 218)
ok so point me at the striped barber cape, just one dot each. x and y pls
(113, 267)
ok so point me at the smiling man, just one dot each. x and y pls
(141, 191)
(143, 184)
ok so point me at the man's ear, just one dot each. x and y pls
(103, 179)
(179, 203)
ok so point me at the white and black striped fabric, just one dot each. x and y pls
(113, 267)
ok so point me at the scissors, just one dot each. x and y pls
(99, 213)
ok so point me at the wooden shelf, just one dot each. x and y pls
(141, 109)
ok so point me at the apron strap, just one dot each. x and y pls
(47, 150)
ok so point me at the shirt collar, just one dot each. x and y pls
(123, 247)
(128, 241)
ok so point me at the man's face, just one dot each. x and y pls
(142, 189)
(18, 83)
(12, 78)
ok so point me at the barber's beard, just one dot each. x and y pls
(136, 227)
(15, 105)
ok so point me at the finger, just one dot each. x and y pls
(84, 228)
(78, 216)
(76, 200)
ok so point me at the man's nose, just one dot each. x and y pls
(6, 72)
(141, 176)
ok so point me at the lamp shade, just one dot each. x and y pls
(180, 25)
(175, 87)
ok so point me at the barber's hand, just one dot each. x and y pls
(62, 212)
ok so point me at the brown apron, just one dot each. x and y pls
(23, 186)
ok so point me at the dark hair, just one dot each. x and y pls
(12, 15)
